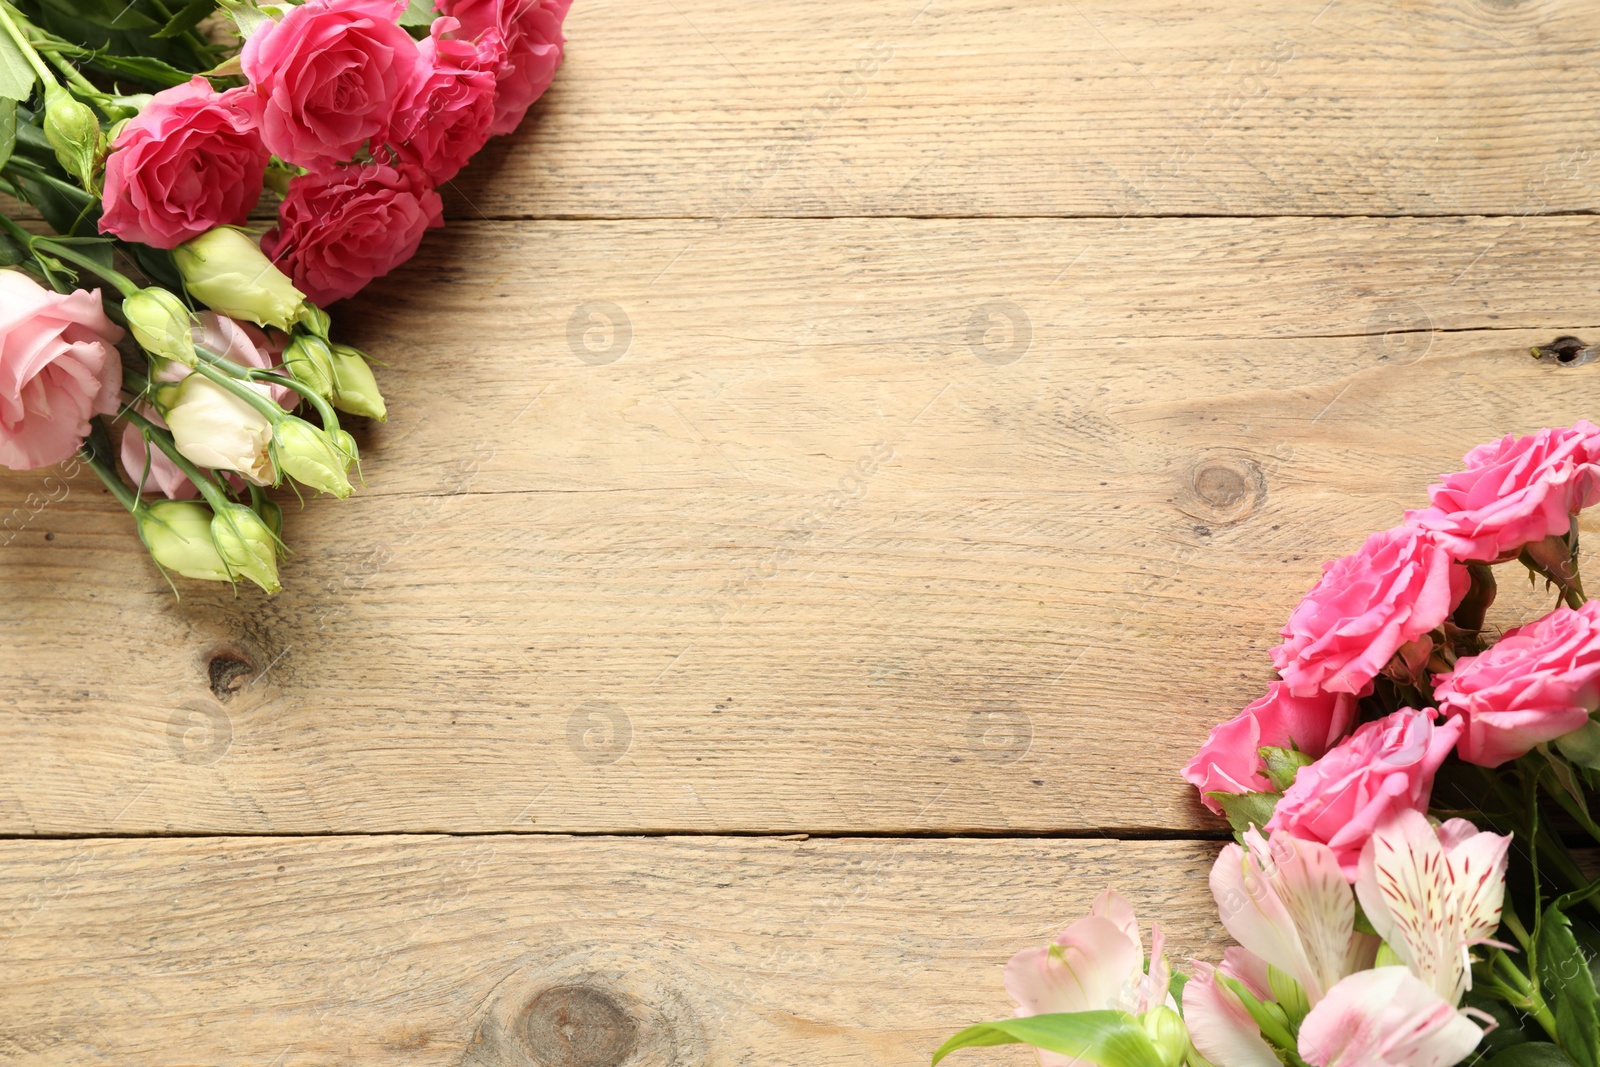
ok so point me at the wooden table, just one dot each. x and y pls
(842, 459)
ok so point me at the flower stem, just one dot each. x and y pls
(23, 43)
(163, 440)
(125, 496)
(123, 283)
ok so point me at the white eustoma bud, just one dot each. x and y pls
(225, 270)
(213, 428)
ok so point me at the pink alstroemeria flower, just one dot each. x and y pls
(1220, 1027)
(1386, 1017)
(1433, 894)
(1287, 902)
(1095, 964)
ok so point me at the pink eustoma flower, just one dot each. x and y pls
(58, 367)
(1396, 588)
(1230, 760)
(1537, 683)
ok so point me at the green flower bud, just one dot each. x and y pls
(1167, 1032)
(161, 324)
(346, 445)
(309, 360)
(272, 515)
(315, 320)
(247, 546)
(73, 131)
(354, 388)
(308, 456)
(225, 270)
(178, 535)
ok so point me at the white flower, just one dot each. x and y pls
(213, 428)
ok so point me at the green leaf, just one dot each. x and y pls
(1245, 810)
(187, 18)
(12, 253)
(107, 14)
(1531, 1054)
(1508, 1022)
(1106, 1038)
(8, 129)
(419, 13)
(1175, 986)
(1282, 764)
(16, 73)
(1568, 987)
(141, 68)
(58, 202)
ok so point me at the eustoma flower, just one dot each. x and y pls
(189, 162)
(1384, 767)
(58, 367)
(1538, 683)
(527, 34)
(1394, 590)
(445, 118)
(1230, 760)
(1515, 491)
(330, 76)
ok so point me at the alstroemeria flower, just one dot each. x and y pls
(1095, 964)
(1432, 894)
(1219, 1026)
(1288, 903)
(1386, 1017)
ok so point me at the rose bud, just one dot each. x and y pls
(178, 535)
(307, 455)
(73, 131)
(247, 545)
(354, 388)
(225, 270)
(162, 325)
(213, 428)
(309, 362)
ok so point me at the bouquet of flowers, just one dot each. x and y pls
(144, 133)
(1406, 888)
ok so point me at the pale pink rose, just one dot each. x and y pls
(446, 117)
(338, 231)
(189, 162)
(1537, 683)
(1383, 767)
(329, 76)
(241, 342)
(1386, 1017)
(58, 366)
(1097, 963)
(1396, 588)
(1230, 760)
(1433, 894)
(528, 36)
(1515, 491)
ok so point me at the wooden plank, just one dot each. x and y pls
(810, 554)
(438, 950)
(1057, 107)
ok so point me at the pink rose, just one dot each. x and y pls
(1539, 682)
(329, 76)
(528, 35)
(241, 342)
(1230, 761)
(446, 118)
(1515, 491)
(338, 231)
(1395, 589)
(189, 162)
(1384, 767)
(58, 367)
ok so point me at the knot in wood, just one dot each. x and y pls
(578, 1026)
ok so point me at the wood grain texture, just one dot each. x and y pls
(1057, 107)
(424, 951)
(825, 548)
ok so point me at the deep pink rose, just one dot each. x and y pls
(1396, 588)
(58, 366)
(329, 76)
(338, 231)
(1229, 761)
(1515, 491)
(446, 118)
(189, 162)
(528, 34)
(1383, 767)
(241, 342)
(1537, 683)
